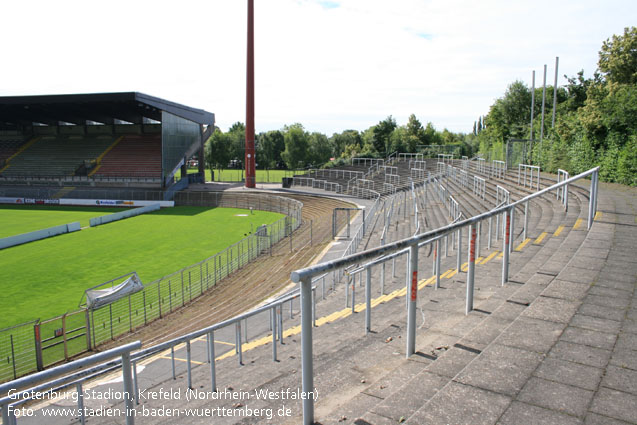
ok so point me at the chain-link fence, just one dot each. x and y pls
(34, 345)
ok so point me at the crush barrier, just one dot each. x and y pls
(304, 276)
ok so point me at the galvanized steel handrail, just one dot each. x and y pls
(124, 351)
(304, 275)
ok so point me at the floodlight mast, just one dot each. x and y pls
(249, 145)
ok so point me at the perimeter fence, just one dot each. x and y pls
(37, 344)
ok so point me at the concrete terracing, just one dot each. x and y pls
(557, 344)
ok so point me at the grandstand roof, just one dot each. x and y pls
(103, 108)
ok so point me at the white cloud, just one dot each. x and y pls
(329, 64)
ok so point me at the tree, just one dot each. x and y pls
(320, 149)
(296, 141)
(216, 152)
(382, 133)
(431, 136)
(415, 134)
(270, 146)
(618, 58)
(348, 138)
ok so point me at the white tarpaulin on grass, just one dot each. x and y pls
(98, 297)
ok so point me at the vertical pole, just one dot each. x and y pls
(368, 300)
(306, 350)
(459, 253)
(238, 342)
(471, 268)
(353, 293)
(135, 383)
(6, 417)
(505, 248)
(80, 402)
(512, 231)
(438, 264)
(413, 295)
(363, 221)
(532, 110)
(280, 325)
(249, 141)
(557, 62)
(211, 350)
(273, 325)
(172, 357)
(479, 231)
(433, 263)
(382, 279)
(38, 343)
(489, 238)
(189, 364)
(314, 307)
(542, 121)
(591, 202)
(15, 375)
(526, 218)
(128, 388)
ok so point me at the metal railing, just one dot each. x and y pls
(479, 187)
(562, 192)
(304, 276)
(531, 173)
(498, 169)
(336, 173)
(368, 161)
(418, 163)
(21, 390)
(481, 165)
(444, 157)
(404, 156)
(38, 344)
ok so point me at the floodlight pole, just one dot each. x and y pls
(532, 104)
(557, 63)
(249, 146)
(539, 162)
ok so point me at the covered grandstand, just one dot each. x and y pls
(105, 139)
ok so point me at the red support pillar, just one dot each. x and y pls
(249, 147)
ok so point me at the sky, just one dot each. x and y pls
(330, 65)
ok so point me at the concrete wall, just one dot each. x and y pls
(38, 234)
(96, 221)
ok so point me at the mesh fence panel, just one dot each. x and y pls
(65, 336)
(17, 351)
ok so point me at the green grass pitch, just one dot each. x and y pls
(19, 219)
(237, 175)
(46, 278)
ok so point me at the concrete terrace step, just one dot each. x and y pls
(554, 345)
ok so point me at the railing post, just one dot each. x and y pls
(459, 253)
(592, 200)
(273, 325)
(413, 296)
(211, 350)
(306, 350)
(368, 300)
(438, 263)
(512, 231)
(128, 388)
(189, 364)
(526, 218)
(471, 268)
(505, 248)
